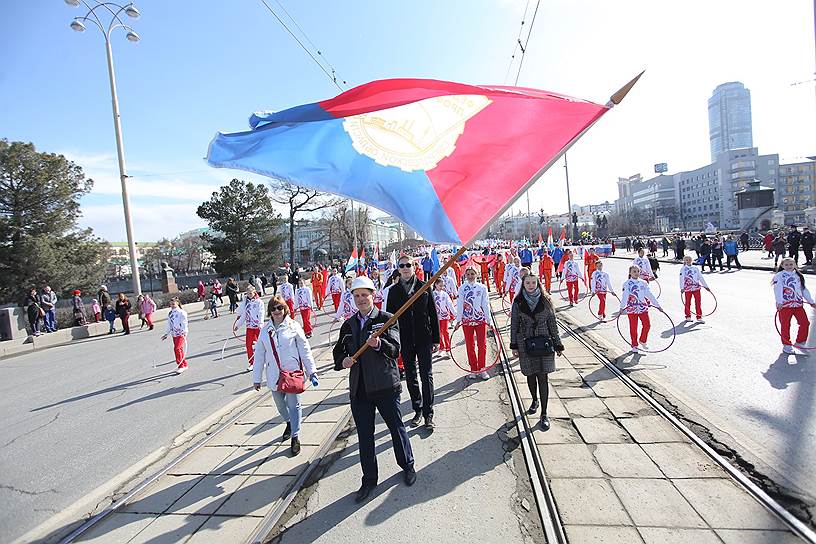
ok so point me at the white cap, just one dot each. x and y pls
(362, 282)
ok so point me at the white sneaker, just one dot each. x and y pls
(800, 347)
(181, 369)
(700, 320)
(470, 376)
(787, 349)
(249, 368)
(644, 346)
(635, 351)
(484, 375)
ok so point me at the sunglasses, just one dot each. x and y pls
(278, 308)
(405, 265)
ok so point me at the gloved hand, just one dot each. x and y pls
(315, 383)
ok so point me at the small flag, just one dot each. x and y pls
(434, 261)
(550, 243)
(352, 261)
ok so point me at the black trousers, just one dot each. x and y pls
(794, 252)
(421, 399)
(389, 408)
(729, 258)
(716, 259)
(808, 251)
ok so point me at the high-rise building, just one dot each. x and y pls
(729, 118)
(797, 190)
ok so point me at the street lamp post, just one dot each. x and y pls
(78, 24)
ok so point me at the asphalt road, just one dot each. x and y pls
(75, 416)
(730, 370)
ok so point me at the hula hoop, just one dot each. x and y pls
(778, 324)
(683, 302)
(506, 304)
(596, 316)
(674, 330)
(659, 287)
(581, 294)
(488, 364)
(334, 331)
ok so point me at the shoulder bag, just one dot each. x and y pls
(289, 381)
(538, 346)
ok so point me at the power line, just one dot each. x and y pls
(527, 41)
(518, 42)
(333, 75)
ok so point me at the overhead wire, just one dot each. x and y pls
(331, 75)
(527, 41)
(518, 42)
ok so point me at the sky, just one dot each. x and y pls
(205, 66)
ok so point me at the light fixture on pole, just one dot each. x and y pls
(113, 10)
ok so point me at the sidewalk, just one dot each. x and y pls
(620, 473)
(753, 259)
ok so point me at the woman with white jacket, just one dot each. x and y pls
(282, 344)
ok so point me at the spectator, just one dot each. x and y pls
(731, 249)
(232, 294)
(293, 276)
(217, 287)
(97, 310)
(213, 304)
(109, 314)
(146, 308)
(808, 241)
(142, 320)
(767, 241)
(200, 290)
(48, 300)
(705, 255)
(665, 243)
(123, 311)
(744, 239)
(78, 308)
(779, 244)
(103, 296)
(794, 239)
(258, 285)
(679, 248)
(628, 244)
(34, 310)
(717, 252)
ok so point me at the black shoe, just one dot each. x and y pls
(410, 477)
(363, 493)
(545, 423)
(295, 446)
(533, 407)
(287, 432)
(402, 375)
(429, 423)
(416, 419)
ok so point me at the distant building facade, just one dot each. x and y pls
(729, 119)
(796, 190)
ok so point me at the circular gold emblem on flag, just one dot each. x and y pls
(415, 136)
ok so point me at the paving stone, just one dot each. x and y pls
(256, 496)
(569, 461)
(207, 495)
(595, 534)
(225, 529)
(588, 501)
(724, 505)
(246, 459)
(561, 432)
(611, 388)
(158, 497)
(337, 396)
(738, 536)
(314, 434)
(556, 408)
(118, 528)
(265, 413)
(656, 503)
(327, 384)
(625, 461)
(313, 396)
(281, 462)
(565, 376)
(266, 435)
(596, 374)
(235, 435)
(683, 460)
(587, 407)
(326, 413)
(598, 430)
(169, 529)
(652, 429)
(203, 460)
(628, 407)
(663, 535)
(568, 392)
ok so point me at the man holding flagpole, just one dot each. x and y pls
(419, 339)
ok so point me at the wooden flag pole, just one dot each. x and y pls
(416, 295)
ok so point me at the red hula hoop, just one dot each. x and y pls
(596, 316)
(778, 324)
(683, 302)
(488, 328)
(581, 294)
(674, 330)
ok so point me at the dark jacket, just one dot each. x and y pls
(123, 308)
(103, 296)
(232, 291)
(808, 240)
(794, 237)
(379, 368)
(418, 325)
(525, 323)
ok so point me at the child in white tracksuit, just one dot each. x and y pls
(691, 280)
(791, 294)
(600, 285)
(635, 301)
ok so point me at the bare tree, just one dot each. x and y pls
(342, 227)
(298, 200)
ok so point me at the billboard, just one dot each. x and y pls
(661, 167)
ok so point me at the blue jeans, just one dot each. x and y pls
(289, 407)
(50, 320)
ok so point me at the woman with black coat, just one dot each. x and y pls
(232, 294)
(123, 311)
(532, 322)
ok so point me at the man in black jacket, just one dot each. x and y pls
(374, 382)
(808, 241)
(794, 237)
(419, 339)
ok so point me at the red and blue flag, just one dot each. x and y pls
(446, 158)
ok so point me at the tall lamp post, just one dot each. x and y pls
(114, 11)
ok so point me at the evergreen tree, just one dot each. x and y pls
(245, 231)
(39, 238)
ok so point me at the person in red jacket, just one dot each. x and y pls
(545, 269)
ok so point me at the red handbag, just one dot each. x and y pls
(289, 381)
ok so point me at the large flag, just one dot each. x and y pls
(351, 264)
(445, 158)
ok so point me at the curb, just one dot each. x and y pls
(744, 267)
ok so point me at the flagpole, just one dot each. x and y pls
(354, 234)
(614, 100)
